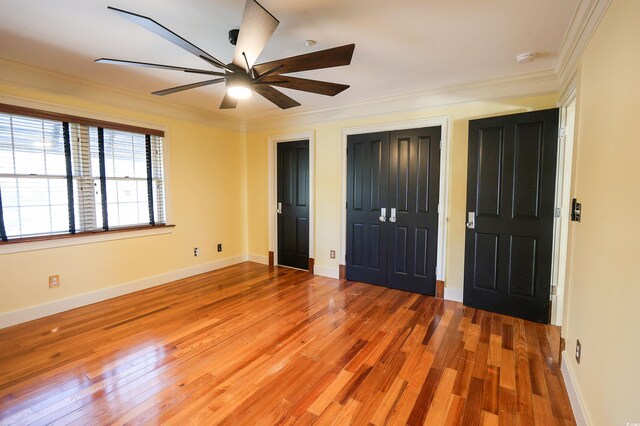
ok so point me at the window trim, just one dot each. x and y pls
(41, 242)
(69, 177)
(17, 245)
(38, 113)
(3, 233)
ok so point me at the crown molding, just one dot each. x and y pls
(29, 76)
(558, 79)
(584, 23)
(536, 83)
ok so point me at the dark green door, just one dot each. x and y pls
(293, 204)
(392, 208)
(510, 210)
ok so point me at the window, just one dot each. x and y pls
(67, 175)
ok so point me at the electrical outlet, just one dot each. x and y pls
(54, 281)
(578, 351)
(332, 254)
(196, 252)
(219, 247)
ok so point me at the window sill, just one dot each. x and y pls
(53, 241)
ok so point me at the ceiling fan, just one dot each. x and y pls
(242, 76)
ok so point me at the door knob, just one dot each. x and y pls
(383, 215)
(393, 217)
(471, 220)
(279, 209)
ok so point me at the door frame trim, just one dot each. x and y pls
(561, 225)
(445, 159)
(272, 177)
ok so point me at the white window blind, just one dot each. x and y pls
(60, 177)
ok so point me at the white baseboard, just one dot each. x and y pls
(454, 294)
(327, 271)
(575, 396)
(19, 316)
(257, 258)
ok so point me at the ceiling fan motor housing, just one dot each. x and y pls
(239, 78)
(233, 36)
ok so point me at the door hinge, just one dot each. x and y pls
(347, 151)
(562, 132)
(440, 144)
(557, 212)
(554, 290)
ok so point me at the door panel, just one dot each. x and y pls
(367, 192)
(399, 251)
(424, 174)
(414, 182)
(489, 184)
(293, 194)
(374, 246)
(422, 252)
(522, 258)
(302, 175)
(527, 170)
(511, 190)
(302, 239)
(378, 176)
(485, 268)
(400, 172)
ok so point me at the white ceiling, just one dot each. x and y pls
(402, 46)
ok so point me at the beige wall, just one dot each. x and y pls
(207, 170)
(210, 169)
(328, 169)
(604, 287)
(219, 194)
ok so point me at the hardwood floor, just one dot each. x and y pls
(249, 345)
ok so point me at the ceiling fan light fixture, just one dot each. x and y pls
(239, 92)
(239, 87)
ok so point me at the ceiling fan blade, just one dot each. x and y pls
(159, 66)
(255, 30)
(305, 85)
(187, 87)
(266, 73)
(328, 58)
(228, 102)
(167, 34)
(275, 96)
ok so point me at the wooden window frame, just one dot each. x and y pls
(37, 113)
(83, 237)
(83, 234)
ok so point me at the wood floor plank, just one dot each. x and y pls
(439, 408)
(388, 402)
(330, 393)
(249, 344)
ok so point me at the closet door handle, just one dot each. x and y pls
(279, 208)
(383, 215)
(393, 217)
(471, 216)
